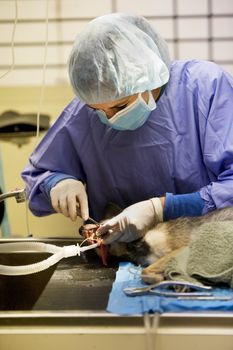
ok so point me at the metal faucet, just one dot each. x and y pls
(20, 195)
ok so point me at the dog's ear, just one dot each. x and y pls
(111, 210)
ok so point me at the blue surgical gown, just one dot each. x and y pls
(185, 146)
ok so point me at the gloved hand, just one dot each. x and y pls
(69, 198)
(133, 222)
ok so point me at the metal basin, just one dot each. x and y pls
(77, 283)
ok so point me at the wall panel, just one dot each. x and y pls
(193, 29)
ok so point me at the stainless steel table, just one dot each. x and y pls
(64, 308)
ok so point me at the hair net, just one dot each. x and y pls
(117, 55)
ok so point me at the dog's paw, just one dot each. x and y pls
(151, 277)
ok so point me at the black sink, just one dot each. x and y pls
(76, 283)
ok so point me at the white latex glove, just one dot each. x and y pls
(133, 222)
(69, 198)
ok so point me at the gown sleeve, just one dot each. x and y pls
(212, 92)
(55, 154)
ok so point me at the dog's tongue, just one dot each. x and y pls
(103, 253)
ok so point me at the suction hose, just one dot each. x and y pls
(58, 254)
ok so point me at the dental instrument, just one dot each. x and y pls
(210, 297)
(93, 221)
(158, 289)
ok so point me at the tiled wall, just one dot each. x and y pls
(193, 29)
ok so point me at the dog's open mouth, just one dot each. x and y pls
(88, 231)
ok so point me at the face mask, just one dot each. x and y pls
(132, 116)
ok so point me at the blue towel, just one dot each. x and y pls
(128, 275)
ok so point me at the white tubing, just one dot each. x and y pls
(58, 254)
(28, 246)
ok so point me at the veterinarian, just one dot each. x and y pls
(152, 136)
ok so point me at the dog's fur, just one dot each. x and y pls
(162, 242)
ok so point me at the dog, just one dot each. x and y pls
(160, 243)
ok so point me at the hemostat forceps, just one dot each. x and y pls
(93, 221)
(160, 289)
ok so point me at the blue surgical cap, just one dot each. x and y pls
(117, 55)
